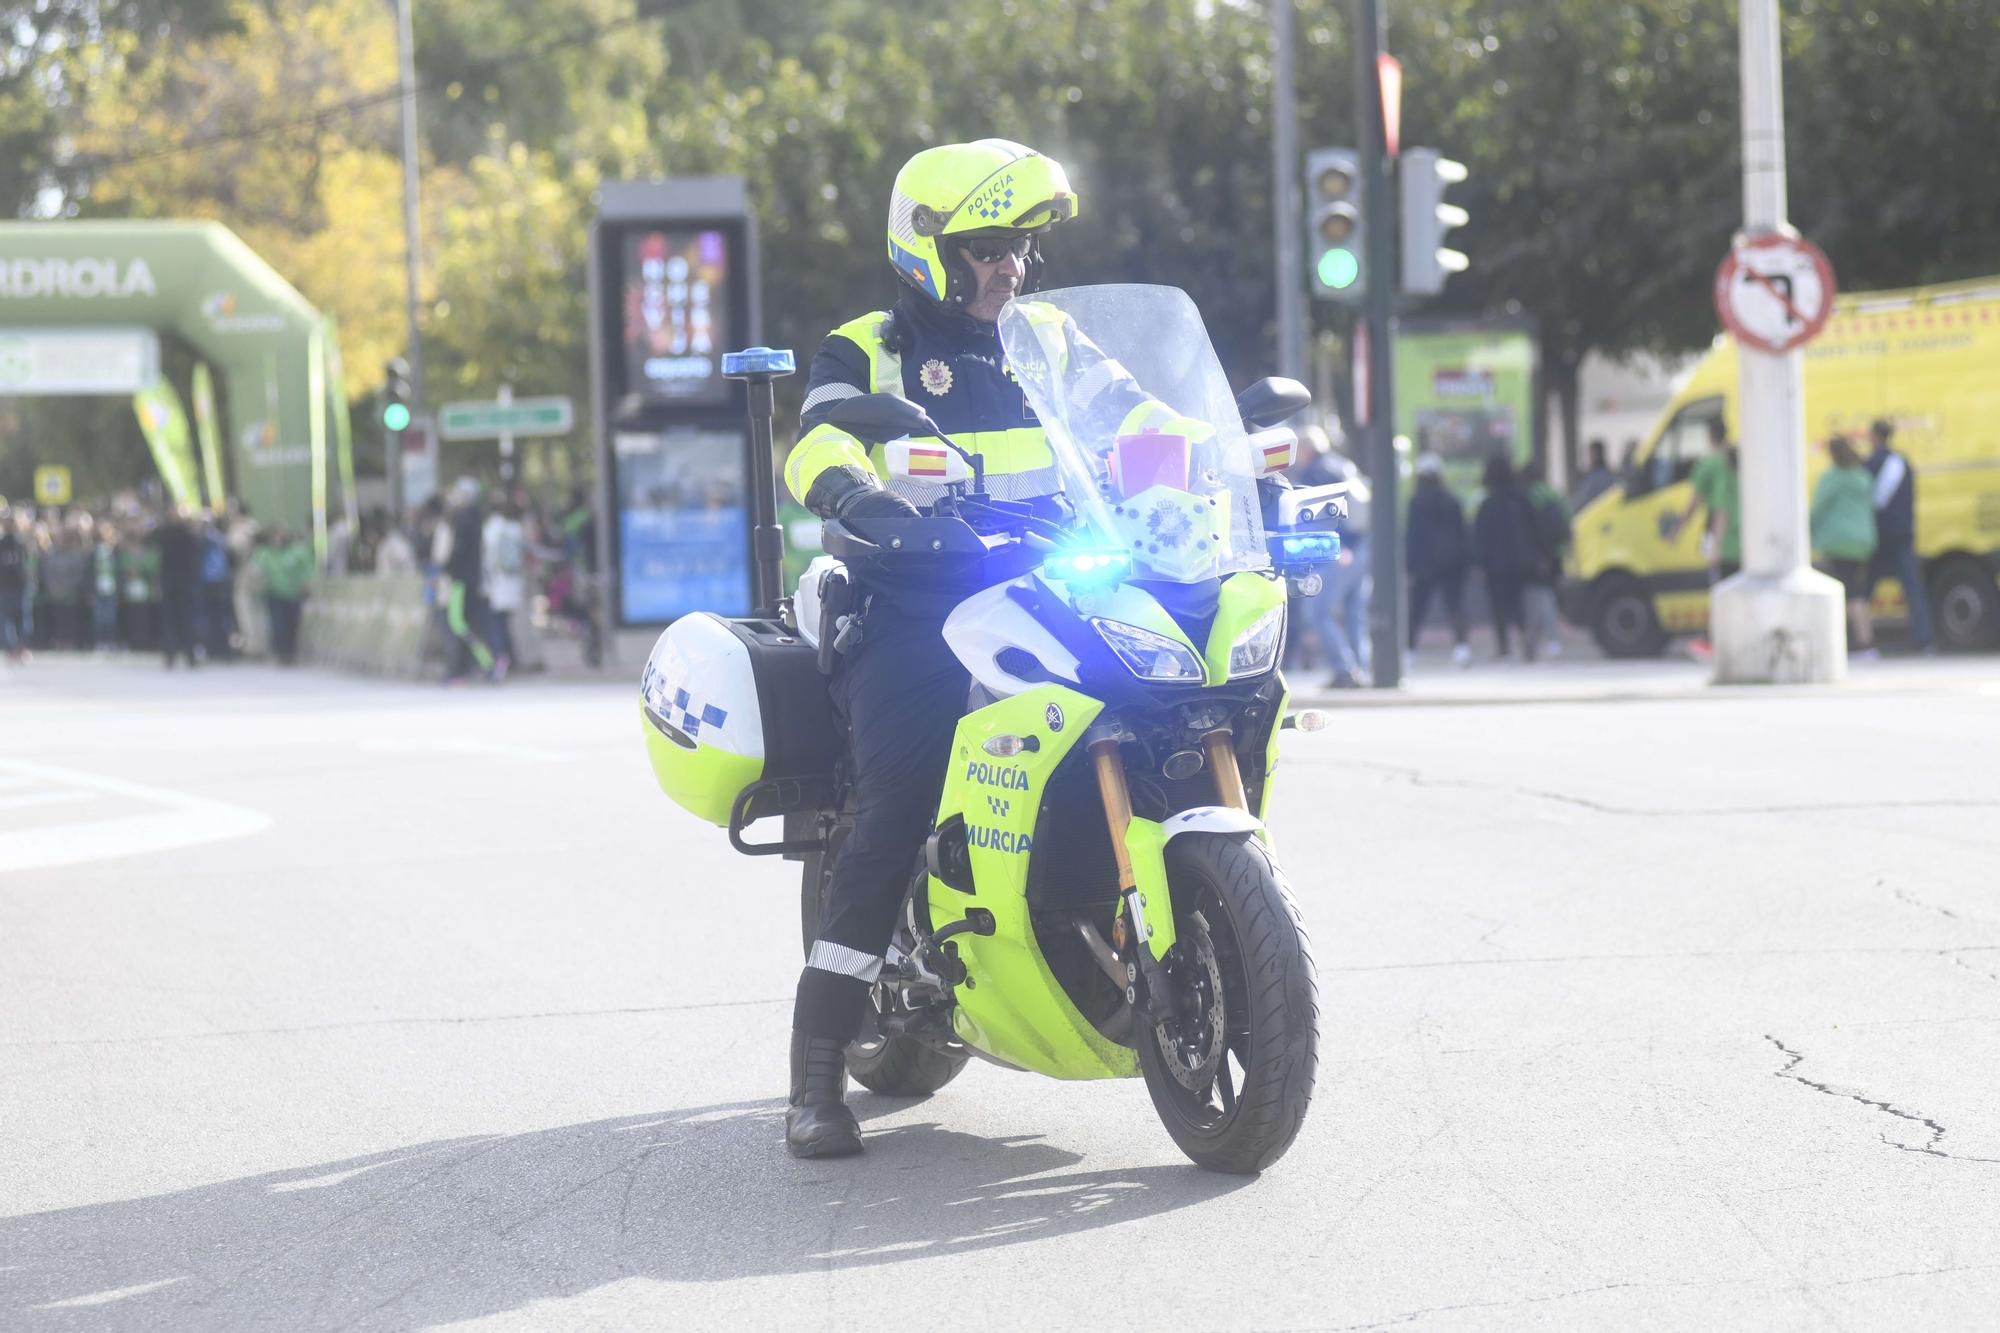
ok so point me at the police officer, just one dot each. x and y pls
(965, 221)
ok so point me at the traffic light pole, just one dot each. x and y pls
(1285, 197)
(406, 64)
(1385, 606)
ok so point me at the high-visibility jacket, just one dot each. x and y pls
(953, 367)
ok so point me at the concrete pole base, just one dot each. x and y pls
(1787, 630)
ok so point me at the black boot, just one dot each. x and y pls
(818, 1123)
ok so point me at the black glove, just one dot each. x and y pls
(854, 497)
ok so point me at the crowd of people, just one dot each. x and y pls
(1515, 535)
(199, 587)
(192, 586)
(1514, 540)
(482, 561)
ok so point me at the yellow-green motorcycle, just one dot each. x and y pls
(1099, 897)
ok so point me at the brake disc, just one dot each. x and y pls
(1193, 1047)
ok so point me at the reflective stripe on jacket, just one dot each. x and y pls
(950, 365)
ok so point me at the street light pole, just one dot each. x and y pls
(1778, 621)
(1286, 211)
(406, 65)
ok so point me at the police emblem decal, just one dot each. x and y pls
(1053, 716)
(936, 377)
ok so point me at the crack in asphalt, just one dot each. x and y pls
(1395, 1320)
(1937, 1131)
(1650, 957)
(1957, 957)
(1905, 896)
(392, 1022)
(1415, 777)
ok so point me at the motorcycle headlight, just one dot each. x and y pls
(1150, 656)
(1256, 648)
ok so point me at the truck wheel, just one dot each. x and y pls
(1965, 606)
(1624, 624)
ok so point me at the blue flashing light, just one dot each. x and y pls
(1089, 565)
(758, 361)
(1311, 548)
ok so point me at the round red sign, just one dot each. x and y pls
(1775, 292)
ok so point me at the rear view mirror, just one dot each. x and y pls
(1272, 400)
(877, 418)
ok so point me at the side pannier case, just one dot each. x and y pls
(730, 705)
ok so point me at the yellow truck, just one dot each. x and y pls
(1927, 359)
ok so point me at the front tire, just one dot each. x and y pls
(1232, 1087)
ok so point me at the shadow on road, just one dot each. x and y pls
(469, 1227)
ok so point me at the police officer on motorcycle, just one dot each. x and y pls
(965, 224)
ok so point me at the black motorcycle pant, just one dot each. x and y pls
(902, 693)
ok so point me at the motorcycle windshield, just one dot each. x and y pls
(1143, 427)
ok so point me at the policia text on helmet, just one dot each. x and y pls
(964, 224)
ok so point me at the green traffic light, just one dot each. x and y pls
(396, 416)
(1338, 269)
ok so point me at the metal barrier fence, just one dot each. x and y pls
(369, 624)
(384, 627)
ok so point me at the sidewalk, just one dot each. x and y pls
(1430, 679)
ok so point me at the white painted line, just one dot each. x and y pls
(35, 798)
(447, 745)
(185, 822)
(107, 1297)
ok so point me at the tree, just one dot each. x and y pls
(40, 97)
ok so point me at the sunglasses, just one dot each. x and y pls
(993, 249)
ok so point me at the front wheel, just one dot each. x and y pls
(1231, 1072)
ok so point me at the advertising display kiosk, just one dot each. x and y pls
(673, 268)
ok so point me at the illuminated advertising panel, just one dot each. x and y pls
(683, 524)
(676, 321)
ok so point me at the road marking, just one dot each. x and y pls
(107, 1297)
(495, 749)
(35, 798)
(185, 822)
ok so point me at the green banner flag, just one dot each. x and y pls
(206, 431)
(316, 433)
(343, 426)
(164, 423)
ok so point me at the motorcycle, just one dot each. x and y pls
(1099, 896)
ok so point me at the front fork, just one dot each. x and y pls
(1103, 742)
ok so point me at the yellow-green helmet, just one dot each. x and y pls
(960, 190)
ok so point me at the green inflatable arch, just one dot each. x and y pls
(284, 412)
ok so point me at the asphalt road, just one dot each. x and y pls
(328, 1003)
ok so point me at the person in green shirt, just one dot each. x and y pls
(1717, 489)
(287, 566)
(139, 583)
(1843, 536)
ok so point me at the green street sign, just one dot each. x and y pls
(490, 420)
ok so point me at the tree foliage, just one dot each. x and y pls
(1602, 137)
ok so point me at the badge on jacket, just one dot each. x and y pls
(936, 377)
